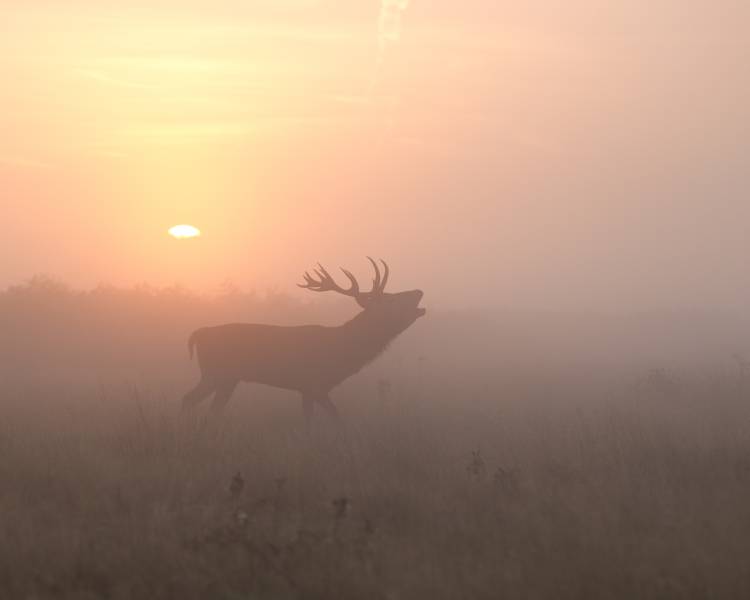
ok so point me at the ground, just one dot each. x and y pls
(483, 488)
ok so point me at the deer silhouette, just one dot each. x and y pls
(309, 359)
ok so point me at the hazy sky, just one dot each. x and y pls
(544, 154)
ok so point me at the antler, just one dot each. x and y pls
(378, 284)
(326, 283)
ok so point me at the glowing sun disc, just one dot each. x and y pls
(183, 232)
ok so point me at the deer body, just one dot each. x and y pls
(309, 359)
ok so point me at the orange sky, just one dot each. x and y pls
(550, 154)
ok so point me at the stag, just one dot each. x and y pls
(309, 359)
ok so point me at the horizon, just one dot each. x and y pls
(336, 304)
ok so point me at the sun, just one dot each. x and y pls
(184, 232)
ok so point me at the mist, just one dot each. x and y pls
(464, 314)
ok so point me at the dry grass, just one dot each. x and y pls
(534, 489)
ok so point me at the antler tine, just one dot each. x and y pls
(376, 281)
(324, 274)
(355, 284)
(309, 281)
(386, 274)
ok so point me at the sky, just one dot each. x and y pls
(550, 155)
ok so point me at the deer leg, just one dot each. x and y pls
(223, 394)
(325, 401)
(308, 407)
(200, 392)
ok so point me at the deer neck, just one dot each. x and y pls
(364, 337)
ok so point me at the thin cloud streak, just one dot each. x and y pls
(390, 24)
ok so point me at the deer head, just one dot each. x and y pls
(399, 309)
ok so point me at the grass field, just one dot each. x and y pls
(486, 488)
